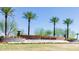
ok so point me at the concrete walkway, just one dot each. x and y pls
(45, 41)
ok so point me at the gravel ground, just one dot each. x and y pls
(38, 47)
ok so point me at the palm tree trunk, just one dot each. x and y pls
(67, 31)
(54, 30)
(5, 25)
(28, 27)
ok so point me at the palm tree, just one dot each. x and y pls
(6, 11)
(54, 20)
(68, 21)
(29, 16)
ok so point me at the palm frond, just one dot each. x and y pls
(6, 10)
(54, 19)
(68, 21)
(29, 15)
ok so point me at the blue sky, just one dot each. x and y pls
(43, 17)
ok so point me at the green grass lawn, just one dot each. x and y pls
(38, 47)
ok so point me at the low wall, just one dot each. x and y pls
(41, 37)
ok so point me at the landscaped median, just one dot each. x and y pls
(19, 44)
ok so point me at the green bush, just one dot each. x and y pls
(71, 39)
(1, 36)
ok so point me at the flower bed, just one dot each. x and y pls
(42, 37)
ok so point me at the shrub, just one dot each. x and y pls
(1, 37)
(71, 39)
